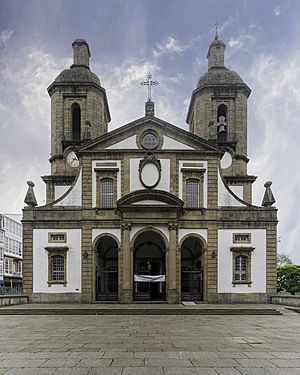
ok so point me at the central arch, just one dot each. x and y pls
(149, 266)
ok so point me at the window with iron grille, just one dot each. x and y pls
(58, 267)
(106, 192)
(192, 193)
(240, 272)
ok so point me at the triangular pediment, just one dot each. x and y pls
(130, 136)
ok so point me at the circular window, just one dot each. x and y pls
(150, 141)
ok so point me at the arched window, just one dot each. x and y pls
(240, 270)
(222, 123)
(192, 193)
(107, 192)
(58, 268)
(222, 111)
(76, 122)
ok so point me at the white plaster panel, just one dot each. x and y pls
(74, 196)
(162, 228)
(172, 144)
(238, 190)
(182, 232)
(129, 143)
(150, 202)
(60, 191)
(226, 160)
(94, 187)
(40, 261)
(114, 231)
(164, 183)
(180, 182)
(224, 196)
(258, 261)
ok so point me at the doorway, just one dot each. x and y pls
(149, 267)
(192, 269)
(107, 269)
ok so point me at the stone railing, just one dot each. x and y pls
(287, 300)
(13, 300)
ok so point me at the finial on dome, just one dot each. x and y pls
(216, 36)
(81, 53)
(215, 54)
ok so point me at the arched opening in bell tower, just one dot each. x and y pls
(76, 122)
(222, 123)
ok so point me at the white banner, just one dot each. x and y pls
(149, 278)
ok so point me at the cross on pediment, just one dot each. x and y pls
(149, 83)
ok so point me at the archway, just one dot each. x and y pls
(149, 267)
(107, 269)
(192, 269)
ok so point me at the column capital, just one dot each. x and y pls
(173, 226)
(126, 226)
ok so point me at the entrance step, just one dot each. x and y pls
(136, 310)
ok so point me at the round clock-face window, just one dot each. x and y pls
(150, 141)
(150, 175)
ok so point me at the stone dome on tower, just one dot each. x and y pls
(217, 72)
(79, 71)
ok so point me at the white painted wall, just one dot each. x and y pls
(135, 183)
(60, 191)
(185, 231)
(74, 196)
(114, 231)
(258, 261)
(129, 143)
(172, 144)
(237, 190)
(40, 261)
(94, 181)
(224, 196)
(180, 182)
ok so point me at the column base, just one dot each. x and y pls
(125, 296)
(173, 296)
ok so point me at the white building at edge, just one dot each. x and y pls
(149, 211)
(10, 250)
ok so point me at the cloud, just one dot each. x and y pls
(171, 46)
(5, 37)
(274, 139)
(277, 11)
(25, 124)
(242, 40)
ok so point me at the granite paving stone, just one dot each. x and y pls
(140, 344)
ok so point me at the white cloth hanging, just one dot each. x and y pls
(149, 278)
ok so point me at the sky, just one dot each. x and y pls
(169, 38)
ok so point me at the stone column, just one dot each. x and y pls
(173, 290)
(126, 286)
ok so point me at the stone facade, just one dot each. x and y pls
(149, 211)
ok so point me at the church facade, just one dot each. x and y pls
(149, 211)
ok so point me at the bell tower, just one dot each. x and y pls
(79, 112)
(79, 107)
(218, 113)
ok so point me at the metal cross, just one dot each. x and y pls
(216, 24)
(149, 83)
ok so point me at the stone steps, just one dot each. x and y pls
(139, 311)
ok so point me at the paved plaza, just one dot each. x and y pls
(152, 345)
